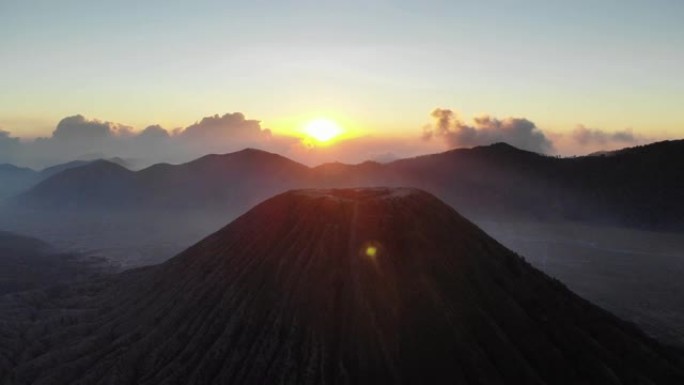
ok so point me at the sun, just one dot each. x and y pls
(323, 130)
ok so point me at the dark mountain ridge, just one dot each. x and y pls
(105, 181)
(240, 178)
(15, 180)
(329, 287)
(53, 170)
(640, 186)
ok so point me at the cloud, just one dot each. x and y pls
(484, 130)
(8, 146)
(228, 126)
(78, 137)
(593, 136)
(78, 128)
(219, 134)
(6, 139)
(444, 120)
(154, 132)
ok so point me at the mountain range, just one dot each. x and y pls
(638, 187)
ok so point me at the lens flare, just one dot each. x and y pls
(372, 251)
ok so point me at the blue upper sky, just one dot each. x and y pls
(379, 66)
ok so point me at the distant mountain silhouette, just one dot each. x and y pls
(11, 170)
(74, 187)
(50, 171)
(15, 180)
(377, 286)
(640, 186)
(238, 179)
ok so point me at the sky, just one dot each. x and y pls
(400, 77)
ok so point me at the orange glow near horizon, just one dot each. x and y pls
(323, 130)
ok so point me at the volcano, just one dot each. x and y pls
(376, 286)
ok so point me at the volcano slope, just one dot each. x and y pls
(329, 287)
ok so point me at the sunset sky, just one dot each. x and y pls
(586, 74)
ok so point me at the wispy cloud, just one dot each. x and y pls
(593, 136)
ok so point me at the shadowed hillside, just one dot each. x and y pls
(28, 263)
(329, 286)
(238, 179)
(14, 180)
